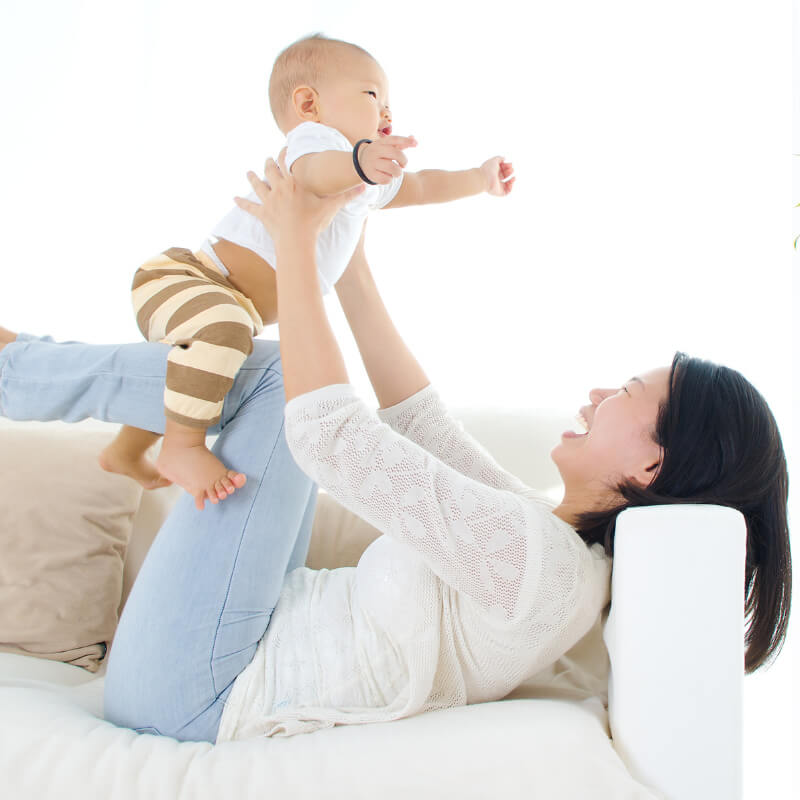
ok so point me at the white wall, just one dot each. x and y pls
(651, 211)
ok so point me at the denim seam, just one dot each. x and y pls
(238, 550)
(223, 422)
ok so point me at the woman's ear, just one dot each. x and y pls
(305, 102)
(649, 473)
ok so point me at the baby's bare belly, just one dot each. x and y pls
(252, 276)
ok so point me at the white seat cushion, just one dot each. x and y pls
(53, 745)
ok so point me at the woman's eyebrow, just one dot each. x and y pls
(635, 378)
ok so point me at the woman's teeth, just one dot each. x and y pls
(581, 425)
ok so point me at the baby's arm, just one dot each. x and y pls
(440, 186)
(332, 171)
(329, 172)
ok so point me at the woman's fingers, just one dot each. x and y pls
(272, 170)
(282, 162)
(247, 205)
(282, 201)
(351, 194)
(275, 173)
(259, 187)
(336, 202)
(328, 207)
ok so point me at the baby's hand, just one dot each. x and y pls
(496, 171)
(383, 159)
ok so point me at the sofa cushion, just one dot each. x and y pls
(64, 533)
(515, 750)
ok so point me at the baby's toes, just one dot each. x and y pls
(199, 501)
(228, 484)
(212, 495)
(238, 479)
(220, 489)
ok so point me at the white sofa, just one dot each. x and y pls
(665, 722)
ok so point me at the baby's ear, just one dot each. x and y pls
(304, 100)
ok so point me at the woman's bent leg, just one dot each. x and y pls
(206, 591)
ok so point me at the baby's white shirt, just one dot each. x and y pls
(337, 243)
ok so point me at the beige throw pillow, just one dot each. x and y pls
(64, 531)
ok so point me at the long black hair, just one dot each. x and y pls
(721, 445)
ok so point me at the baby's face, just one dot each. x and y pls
(355, 98)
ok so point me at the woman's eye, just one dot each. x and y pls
(374, 94)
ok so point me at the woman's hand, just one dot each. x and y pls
(287, 210)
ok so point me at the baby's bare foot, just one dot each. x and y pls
(6, 337)
(117, 459)
(196, 469)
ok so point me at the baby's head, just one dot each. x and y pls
(337, 83)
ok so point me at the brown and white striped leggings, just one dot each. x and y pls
(182, 298)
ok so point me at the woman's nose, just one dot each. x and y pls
(598, 395)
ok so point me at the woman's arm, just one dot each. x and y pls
(476, 538)
(311, 358)
(396, 375)
(310, 355)
(392, 369)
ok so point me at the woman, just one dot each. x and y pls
(479, 581)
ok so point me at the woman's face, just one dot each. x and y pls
(618, 445)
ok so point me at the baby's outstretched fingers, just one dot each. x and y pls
(399, 141)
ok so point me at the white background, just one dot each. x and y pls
(652, 209)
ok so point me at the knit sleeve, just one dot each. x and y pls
(423, 418)
(476, 537)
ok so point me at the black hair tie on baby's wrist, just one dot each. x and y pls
(359, 171)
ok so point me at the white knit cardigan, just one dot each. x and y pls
(475, 586)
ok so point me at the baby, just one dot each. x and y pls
(331, 100)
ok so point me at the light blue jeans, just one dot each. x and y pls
(206, 591)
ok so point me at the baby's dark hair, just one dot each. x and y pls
(302, 62)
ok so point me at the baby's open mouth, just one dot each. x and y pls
(387, 131)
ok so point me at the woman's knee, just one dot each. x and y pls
(146, 710)
(266, 353)
(262, 368)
